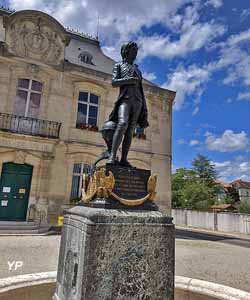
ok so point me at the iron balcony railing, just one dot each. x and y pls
(29, 126)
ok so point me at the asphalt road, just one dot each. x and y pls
(203, 256)
(194, 235)
(216, 258)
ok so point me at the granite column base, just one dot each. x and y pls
(109, 254)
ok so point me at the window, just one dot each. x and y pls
(79, 170)
(28, 98)
(86, 57)
(87, 112)
(139, 133)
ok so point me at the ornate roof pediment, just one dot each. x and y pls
(35, 35)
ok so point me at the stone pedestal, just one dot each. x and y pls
(109, 254)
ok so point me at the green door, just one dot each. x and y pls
(14, 191)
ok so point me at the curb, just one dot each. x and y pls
(49, 233)
(183, 285)
(22, 281)
(209, 289)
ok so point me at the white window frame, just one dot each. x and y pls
(83, 165)
(88, 103)
(136, 134)
(29, 91)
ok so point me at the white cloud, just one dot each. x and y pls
(24, 4)
(113, 14)
(220, 165)
(231, 170)
(187, 33)
(235, 58)
(187, 82)
(236, 39)
(194, 143)
(207, 125)
(121, 20)
(207, 133)
(149, 76)
(228, 142)
(244, 96)
(181, 142)
(190, 143)
(244, 14)
(215, 3)
(192, 39)
(192, 35)
(112, 51)
(239, 158)
(195, 111)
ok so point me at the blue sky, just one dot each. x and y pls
(199, 48)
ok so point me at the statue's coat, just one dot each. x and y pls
(122, 71)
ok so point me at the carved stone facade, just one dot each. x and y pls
(36, 36)
(38, 49)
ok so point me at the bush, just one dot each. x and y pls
(243, 207)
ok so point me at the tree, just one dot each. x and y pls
(198, 195)
(182, 177)
(204, 169)
(243, 207)
(233, 194)
(195, 188)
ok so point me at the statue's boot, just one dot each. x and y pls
(112, 161)
(125, 149)
(117, 139)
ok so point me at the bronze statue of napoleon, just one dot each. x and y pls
(130, 109)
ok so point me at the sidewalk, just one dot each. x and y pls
(216, 233)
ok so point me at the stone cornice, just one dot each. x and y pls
(170, 95)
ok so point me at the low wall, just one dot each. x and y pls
(224, 222)
(41, 286)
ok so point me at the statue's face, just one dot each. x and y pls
(132, 53)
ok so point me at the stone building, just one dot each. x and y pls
(243, 189)
(55, 91)
(238, 190)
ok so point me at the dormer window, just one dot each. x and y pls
(86, 58)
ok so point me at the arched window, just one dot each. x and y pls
(28, 98)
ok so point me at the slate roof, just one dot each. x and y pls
(101, 62)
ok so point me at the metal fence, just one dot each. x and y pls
(29, 126)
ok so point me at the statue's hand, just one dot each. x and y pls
(124, 81)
